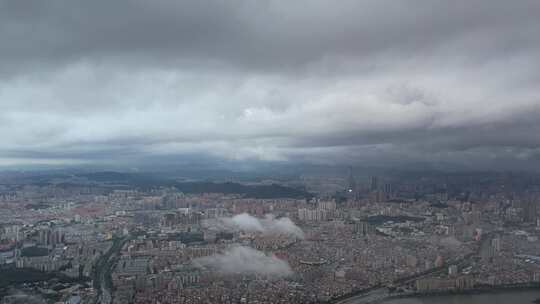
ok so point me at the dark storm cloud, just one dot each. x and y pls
(315, 81)
(261, 33)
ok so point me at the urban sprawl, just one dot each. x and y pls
(364, 238)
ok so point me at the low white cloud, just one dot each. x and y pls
(246, 260)
(245, 221)
(248, 223)
(450, 242)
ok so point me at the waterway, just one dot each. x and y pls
(503, 297)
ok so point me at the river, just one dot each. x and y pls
(504, 297)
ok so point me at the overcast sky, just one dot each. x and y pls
(331, 82)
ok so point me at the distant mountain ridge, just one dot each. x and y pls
(149, 180)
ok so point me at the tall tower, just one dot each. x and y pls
(352, 182)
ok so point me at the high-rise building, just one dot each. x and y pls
(314, 215)
(496, 244)
(374, 185)
(487, 253)
(452, 270)
(439, 261)
(388, 189)
(363, 228)
(327, 205)
(44, 237)
(50, 237)
(377, 196)
(530, 210)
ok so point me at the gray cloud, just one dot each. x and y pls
(246, 260)
(259, 34)
(349, 82)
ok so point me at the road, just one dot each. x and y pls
(103, 269)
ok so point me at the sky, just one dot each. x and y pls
(385, 82)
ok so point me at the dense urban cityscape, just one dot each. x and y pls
(269, 152)
(101, 238)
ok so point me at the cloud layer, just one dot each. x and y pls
(247, 223)
(390, 82)
(246, 260)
